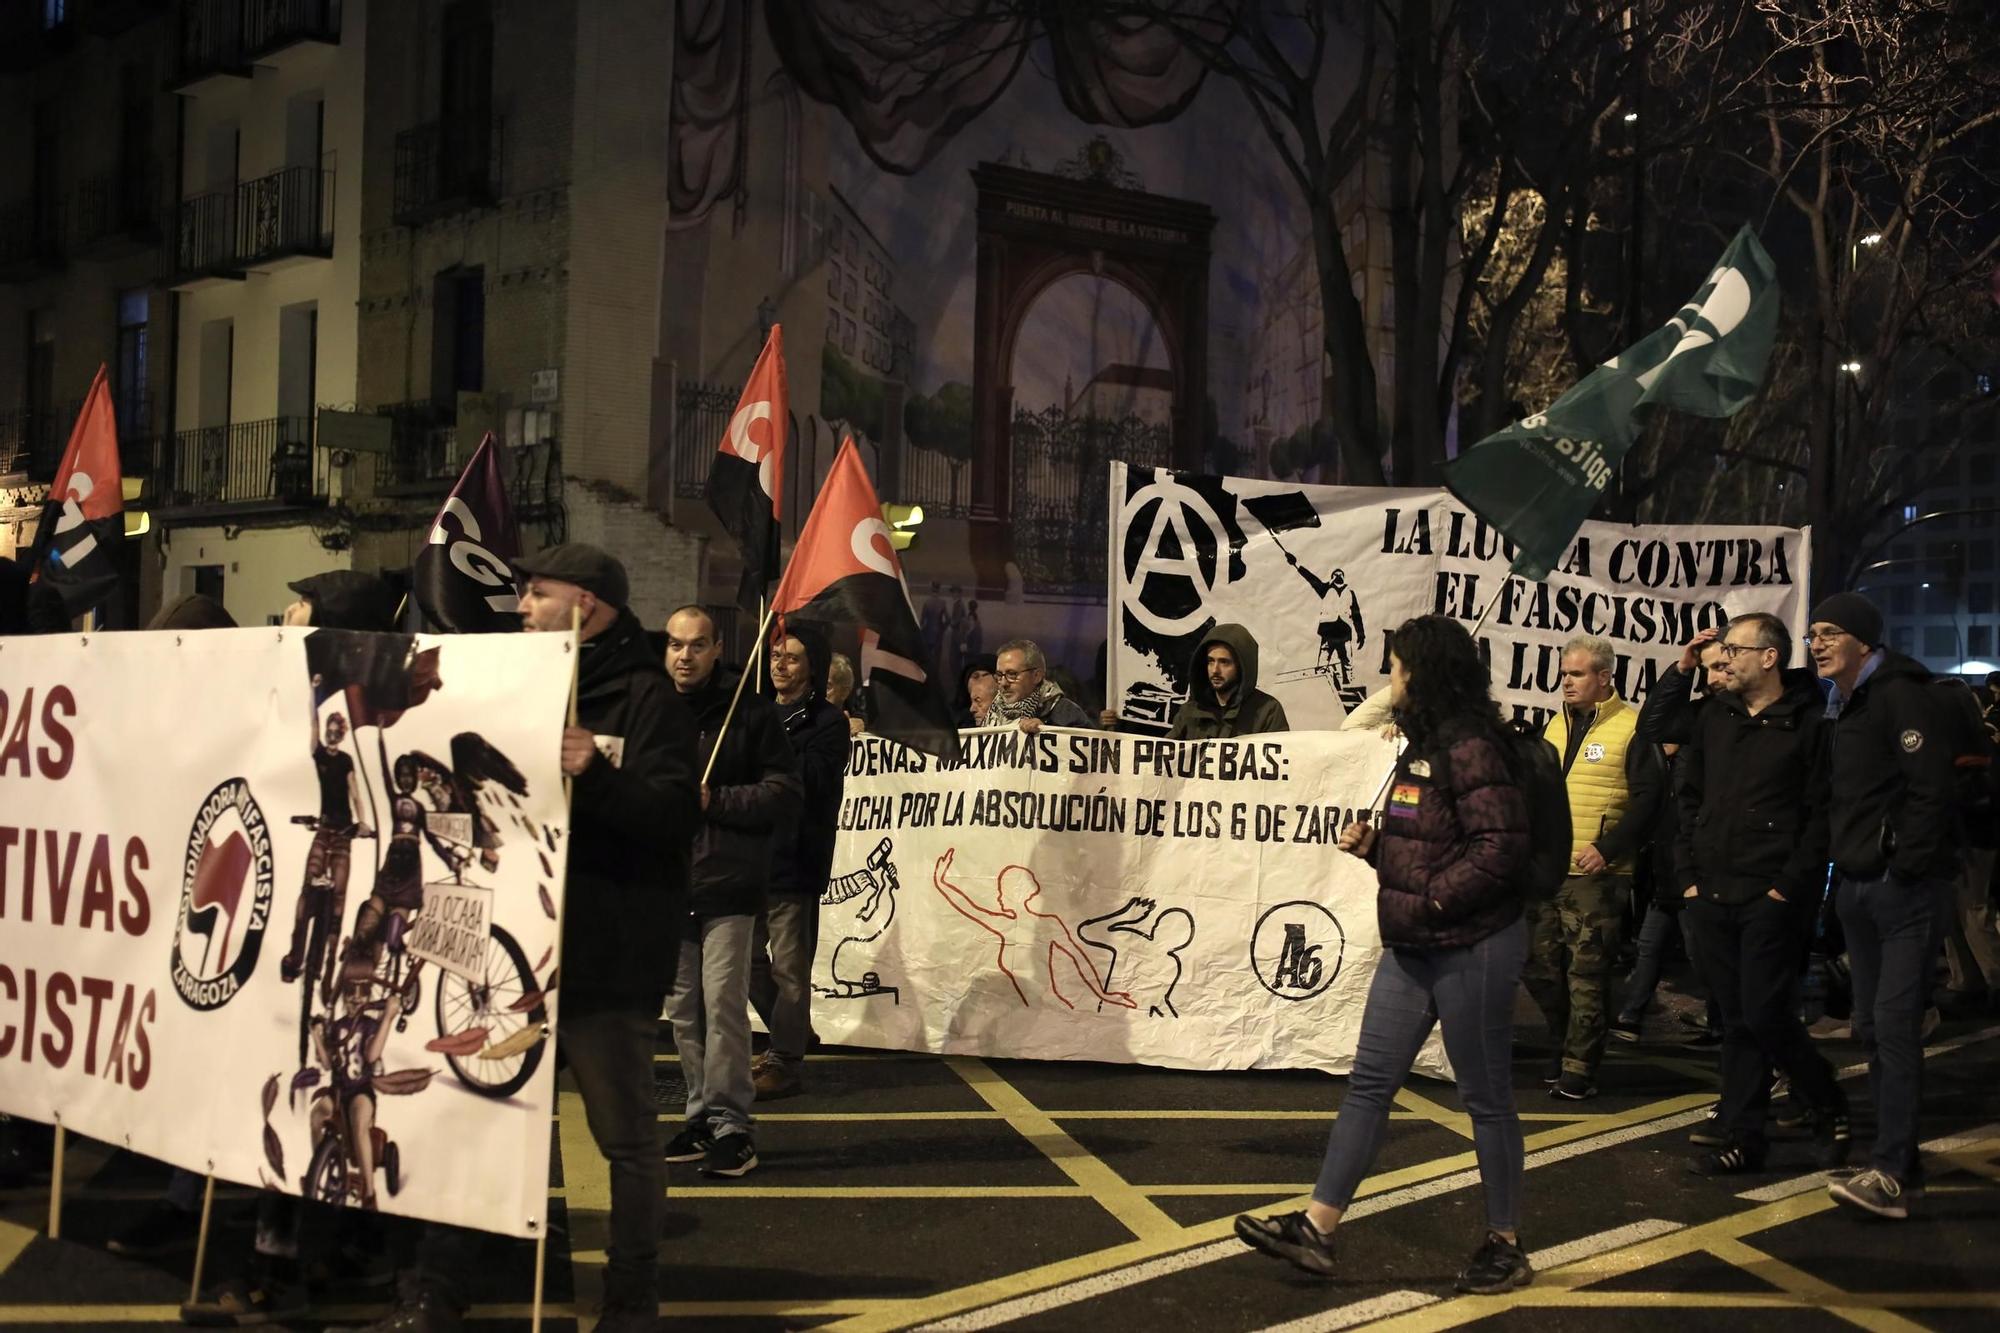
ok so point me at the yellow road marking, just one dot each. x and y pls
(1458, 1122)
(586, 1189)
(1824, 1295)
(14, 1238)
(1140, 1215)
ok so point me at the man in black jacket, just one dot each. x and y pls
(1895, 850)
(1751, 859)
(634, 806)
(781, 957)
(750, 792)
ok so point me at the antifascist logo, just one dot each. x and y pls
(1593, 752)
(1297, 949)
(226, 880)
(1913, 741)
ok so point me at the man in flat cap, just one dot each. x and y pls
(1895, 847)
(635, 805)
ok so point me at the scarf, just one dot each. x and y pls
(1037, 704)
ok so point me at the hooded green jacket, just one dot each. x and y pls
(1249, 711)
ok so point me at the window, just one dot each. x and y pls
(1909, 513)
(1900, 601)
(1978, 640)
(129, 380)
(1940, 642)
(458, 337)
(1901, 638)
(1979, 554)
(1979, 599)
(1938, 600)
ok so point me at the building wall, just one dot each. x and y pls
(256, 566)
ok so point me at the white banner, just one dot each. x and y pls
(1080, 896)
(160, 796)
(1321, 574)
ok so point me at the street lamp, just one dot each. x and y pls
(1633, 116)
(1850, 367)
(1872, 238)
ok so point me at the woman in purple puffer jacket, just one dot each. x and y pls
(1450, 853)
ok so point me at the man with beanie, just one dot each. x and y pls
(749, 799)
(633, 810)
(1895, 852)
(781, 955)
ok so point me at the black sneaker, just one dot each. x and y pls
(1289, 1236)
(1625, 1029)
(425, 1313)
(729, 1155)
(1735, 1160)
(242, 1303)
(1552, 1072)
(1833, 1137)
(1500, 1265)
(161, 1229)
(1875, 1192)
(690, 1145)
(1573, 1087)
(1708, 1133)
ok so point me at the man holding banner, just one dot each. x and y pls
(633, 810)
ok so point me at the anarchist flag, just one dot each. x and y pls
(845, 572)
(83, 522)
(463, 578)
(748, 474)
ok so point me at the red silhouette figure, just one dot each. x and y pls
(1025, 928)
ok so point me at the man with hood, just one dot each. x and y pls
(1225, 700)
(781, 955)
(1895, 850)
(749, 799)
(1750, 867)
(634, 806)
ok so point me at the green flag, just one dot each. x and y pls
(1538, 479)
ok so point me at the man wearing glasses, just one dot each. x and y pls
(1027, 696)
(1895, 850)
(1751, 861)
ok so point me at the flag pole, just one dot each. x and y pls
(542, 1231)
(56, 1182)
(201, 1236)
(764, 628)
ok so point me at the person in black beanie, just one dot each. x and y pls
(1895, 849)
(787, 934)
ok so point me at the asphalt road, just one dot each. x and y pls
(905, 1191)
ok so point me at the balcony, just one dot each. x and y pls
(118, 212)
(222, 39)
(447, 167)
(423, 454)
(32, 443)
(272, 222)
(31, 238)
(249, 466)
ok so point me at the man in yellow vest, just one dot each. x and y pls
(1616, 785)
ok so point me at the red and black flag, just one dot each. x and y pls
(463, 578)
(382, 676)
(748, 474)
(84, 520)
(845, 572)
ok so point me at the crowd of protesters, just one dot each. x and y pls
(1812, 823)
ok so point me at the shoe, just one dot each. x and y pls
(730, 1155)
(1625, 1029)
(242, 1303)
(1833, 1136)
(161, 1229)
(1552, 1072)
(1734, 1160)
(778, 1078)
(690, 1145)
(350, 1271)
(1829, 1028)
(1500, 1265)
(1573, 1087)
(1932, 1020)
(426, 1313)
(1875, 1192)
(1708, 1133)
(1705, 1036)
(1289, 1236)
(1781, 1087)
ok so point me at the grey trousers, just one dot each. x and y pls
(710, 1012)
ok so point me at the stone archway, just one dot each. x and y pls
(1035, 229)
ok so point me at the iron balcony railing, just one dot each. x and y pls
(118, 204)
(701, 415)
(249, 462)
(447, 166)
(423, 447)
(225, 36)
(288, 212)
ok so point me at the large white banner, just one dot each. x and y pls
(161, 798)
(1081, 896)
(1321, 574)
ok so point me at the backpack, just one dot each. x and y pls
(1537, 771)
(1976, 778)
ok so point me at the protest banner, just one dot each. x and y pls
(1080, 896)
(194, 829)
(1320, 575)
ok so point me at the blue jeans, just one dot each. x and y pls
(1471, 992)
(1894, 932)
(710, 1009)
